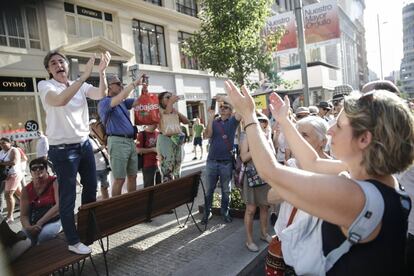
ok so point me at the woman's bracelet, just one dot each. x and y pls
(249, 124)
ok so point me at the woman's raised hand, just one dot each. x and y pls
(242, 102)
(88, 68)
(279, 107)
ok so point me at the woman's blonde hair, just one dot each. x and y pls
(389, 120)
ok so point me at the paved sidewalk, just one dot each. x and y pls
(161, 247)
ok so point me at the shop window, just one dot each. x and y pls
(186, 61)
(19, 27)
(85, 22)
(149, 43)
(188, 7)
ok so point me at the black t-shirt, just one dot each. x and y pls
(385, 254)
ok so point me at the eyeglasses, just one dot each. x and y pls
(301, 116)
(225, 107)
(262, 121)
(167, 97)
(37, 168)
(117, 83)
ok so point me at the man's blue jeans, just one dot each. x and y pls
(216, 170)
(68, 160)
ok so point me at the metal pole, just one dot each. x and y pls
(302, 49)
(379, 44)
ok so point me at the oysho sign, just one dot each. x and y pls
(16, 84)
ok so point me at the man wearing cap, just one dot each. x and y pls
(324, 109)
(221, 132)
(302, 112)
(114, 113)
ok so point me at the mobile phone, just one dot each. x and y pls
(213, 104)
(145, 79)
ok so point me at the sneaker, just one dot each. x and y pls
(10, 220)
(205, 220)
(252, 247)
(227, 219)
(195, 158)
(267, 238)
(80, 249)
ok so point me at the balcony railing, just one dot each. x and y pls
(186, 10)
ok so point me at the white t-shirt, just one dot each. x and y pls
(67, 124)
(99, 158)
(42, 146)
(5, 157)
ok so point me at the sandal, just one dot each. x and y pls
(267, 238)
(252, 247)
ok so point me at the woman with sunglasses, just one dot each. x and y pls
(168, 147)
(255, 196)
(372, 139)
(39, 205)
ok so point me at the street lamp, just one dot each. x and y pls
(379, 44)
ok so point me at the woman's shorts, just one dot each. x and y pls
(12, 182)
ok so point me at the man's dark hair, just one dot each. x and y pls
(49, 55)
(5, 139)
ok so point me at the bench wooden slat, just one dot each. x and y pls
(134, 208)
(45, 258)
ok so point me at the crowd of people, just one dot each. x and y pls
(325, 164)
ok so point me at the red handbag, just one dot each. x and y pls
(147, 110)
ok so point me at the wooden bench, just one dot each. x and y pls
(47, 258)
(98, 220)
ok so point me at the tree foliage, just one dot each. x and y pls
(229, 41)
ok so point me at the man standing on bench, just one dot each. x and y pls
(67, 120)
(114, 113)
(220, 157)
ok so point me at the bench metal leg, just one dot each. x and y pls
(190, 213)
(104, 251)
(94, 266)
(205, 200)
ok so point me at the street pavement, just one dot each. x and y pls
(162, 247)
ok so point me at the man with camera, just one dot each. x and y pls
(114, 113)
(219, 167)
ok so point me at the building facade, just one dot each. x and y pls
(407, 63)
(344, 62)
(142, 37)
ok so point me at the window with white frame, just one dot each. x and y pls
(186, 61)
(149, 43)
(85, 22)
(188, 7)
(19, 27)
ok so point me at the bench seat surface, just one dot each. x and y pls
(45, 258)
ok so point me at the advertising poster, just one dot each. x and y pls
(321, 23)
(287, 21)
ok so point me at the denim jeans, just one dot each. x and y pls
(223, 171)
(68, 160)
(49, 231)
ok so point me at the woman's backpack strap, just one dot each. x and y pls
(363, 226)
